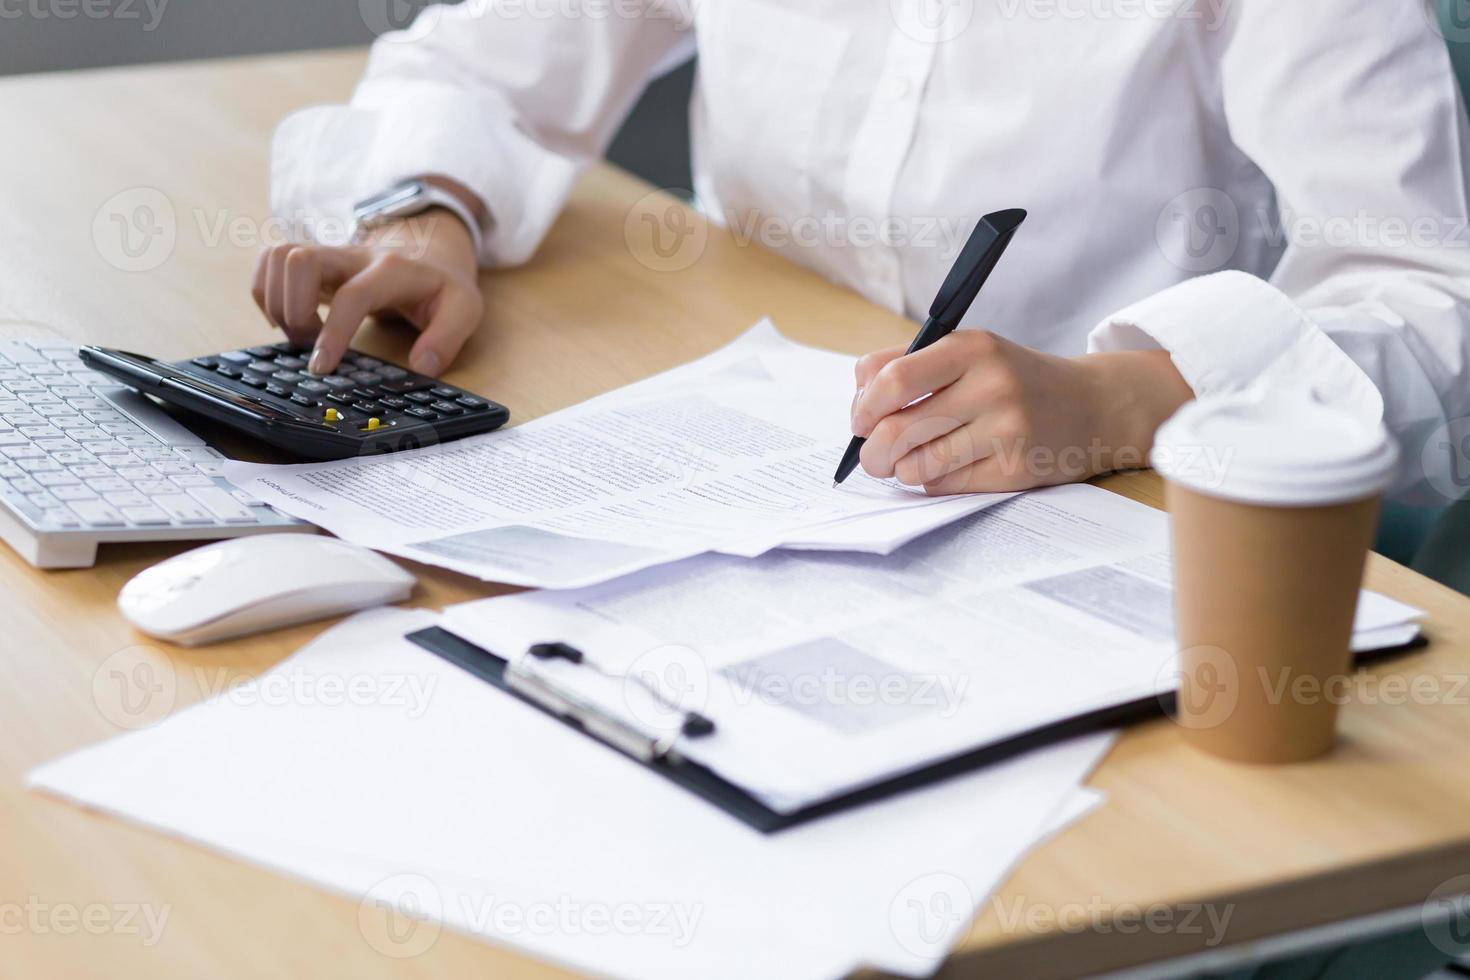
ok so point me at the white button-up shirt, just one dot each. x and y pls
(1268, 189)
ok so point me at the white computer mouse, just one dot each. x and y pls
(248, 585)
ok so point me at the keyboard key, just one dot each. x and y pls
(96, 514)
(126, 498)
(21, 451)
(184, 509)
(134, 439)
(56, 479)
(13, 439)
(173, 467)
(75, 493)
(191, 480)
(60, 518)
(155, 487)
(133, 473)
(146, 515)
(223, 505)
(154, 452)
(108, 484)
(42, 465)
(43, 500)
(25, 484)
(90, 470)
(196, 453)
(73, 457)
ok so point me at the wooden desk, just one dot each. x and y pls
(1375, 827)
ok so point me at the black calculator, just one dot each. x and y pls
(366, 406)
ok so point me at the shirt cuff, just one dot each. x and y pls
(1231, 330)
(327, 158)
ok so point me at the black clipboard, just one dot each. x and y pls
(719, 792)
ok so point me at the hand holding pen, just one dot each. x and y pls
(1000, 416)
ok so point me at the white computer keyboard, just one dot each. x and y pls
(84, 460)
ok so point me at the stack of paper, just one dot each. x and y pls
(828, 672)
(733, 453)
(465, 806)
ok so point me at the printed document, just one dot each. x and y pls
(464, 807)
(827, 672)
(732, 453)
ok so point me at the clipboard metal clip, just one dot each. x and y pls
(595, 719)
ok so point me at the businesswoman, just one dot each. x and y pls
(1220, 192)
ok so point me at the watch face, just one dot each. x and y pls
(401, 199)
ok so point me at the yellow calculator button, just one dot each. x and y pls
(373, 423)
(333, 415)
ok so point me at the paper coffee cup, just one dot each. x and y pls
(1273, 500)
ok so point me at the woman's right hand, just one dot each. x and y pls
(422, 270)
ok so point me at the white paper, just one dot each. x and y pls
(826, 672)
(734, 452)
(479, 811)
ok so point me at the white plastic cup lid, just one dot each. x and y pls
(1274, 447)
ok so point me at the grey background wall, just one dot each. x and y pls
(59, 35)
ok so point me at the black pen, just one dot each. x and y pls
(979, 256)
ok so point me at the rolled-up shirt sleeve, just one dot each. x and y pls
(1370, 301)
(510, 99)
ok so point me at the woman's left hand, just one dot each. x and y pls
(1001, 416)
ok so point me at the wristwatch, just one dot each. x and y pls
(407, 199)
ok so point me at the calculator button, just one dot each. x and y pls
(266, 351)
(312, 386)
(253, 380)
(363, 393)
(206, 362)
(280, 391)
(340, 399)
(340, 383)
(365, 405)
(393, 401)
(419, 397)
(444, 391)
(368, 363)
(471, 402)
(391, 373)
(365, 377)
(228, 371)
(286, 347)
(262, 367)
(446, 408)
(291, 363)
(237, 357)
(288, 377)
(304, 401)
(422, 413)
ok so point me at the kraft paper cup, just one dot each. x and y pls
(1273, 501)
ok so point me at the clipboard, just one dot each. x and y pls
(720, 792)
